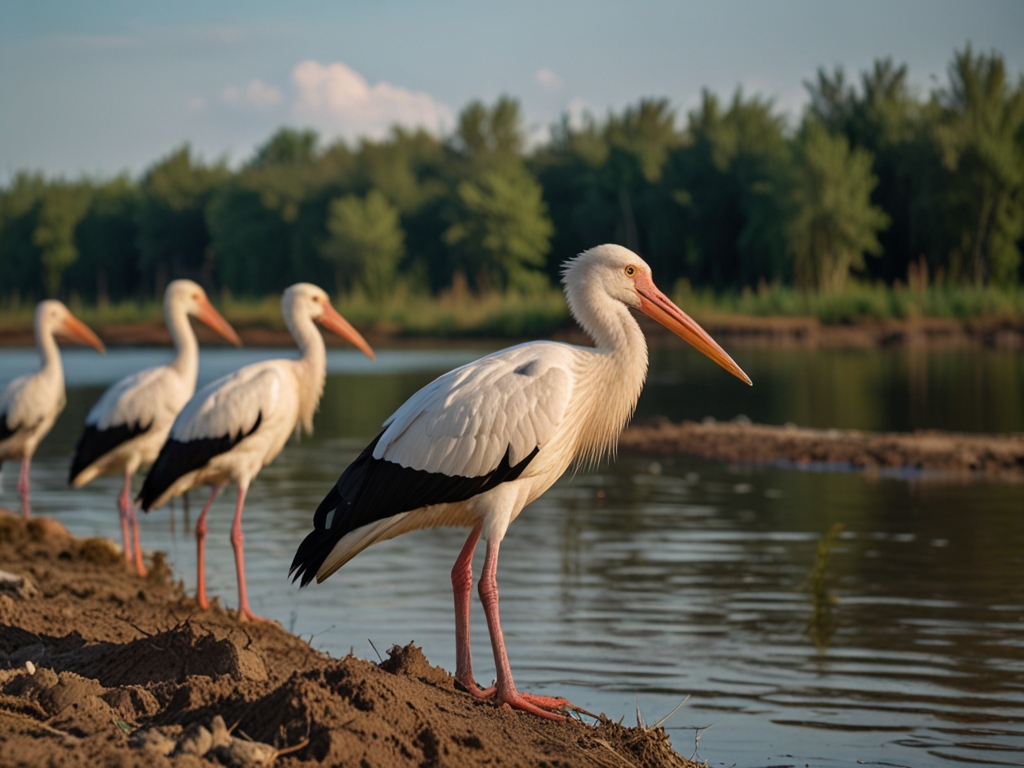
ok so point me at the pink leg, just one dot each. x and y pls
(130, 522)
(25, 487)
(140, 566)
(462, 586)
(201, 551)
(507, 693)
(124, 501)
(237, 540)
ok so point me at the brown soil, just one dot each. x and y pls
(100, 667)
(734, 330)
(996, 456)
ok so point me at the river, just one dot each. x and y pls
(649, 581)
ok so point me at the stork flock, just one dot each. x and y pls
(471, 449)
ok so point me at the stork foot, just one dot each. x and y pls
(535, 705)
(474, 690)
(202, 602)
(246, 615)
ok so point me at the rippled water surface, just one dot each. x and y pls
(649, 581)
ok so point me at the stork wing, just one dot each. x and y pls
(136, 401)
(231, 404)
(464, 422)
(463, 434)
(17, 409)
(129, 408)
(215, 420)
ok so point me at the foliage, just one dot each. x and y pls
(834, 222)
(365, 242)
(874, 183)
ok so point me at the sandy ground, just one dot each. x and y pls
(994, 456)
(100, 667)
(731, 329)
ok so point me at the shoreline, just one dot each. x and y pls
(996, 457)
(736, 330)
(102, 667)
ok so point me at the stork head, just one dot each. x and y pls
(625, 277)
(312, 301)
(53, 317)
(190, 298)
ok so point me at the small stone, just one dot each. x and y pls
(30, 667)
(196, 740)
(245, 754)
(20, 586)
(154, 741)
(219, 732)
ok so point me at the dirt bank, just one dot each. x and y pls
(100, 667)
(733, 330)
(995, 456)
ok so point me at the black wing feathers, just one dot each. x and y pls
(96, 443)
(179, 458)
(6, 431)
(373, 489)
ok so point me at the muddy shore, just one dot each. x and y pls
(101, 667)
(734, 330)
(990, 456)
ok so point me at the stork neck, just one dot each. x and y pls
(49, 352)
(312, 365)
(186, 359)
(614, 372)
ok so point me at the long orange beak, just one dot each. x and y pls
(212, 318)
(657, 306)
(333, 321)
(76, 330)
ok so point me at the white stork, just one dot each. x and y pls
(31, 403)
(127, 426)
(235, 426)
(478, 444)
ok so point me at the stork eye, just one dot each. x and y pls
(630, 271)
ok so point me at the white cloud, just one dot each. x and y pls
(338, 101)
(549, 79)
(256, 94)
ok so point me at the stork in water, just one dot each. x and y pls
(127, 426)
(235, 426)
(478, 444)
(31, 404)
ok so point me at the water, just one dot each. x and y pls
(652, 580)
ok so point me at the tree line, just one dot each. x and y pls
(875, 183)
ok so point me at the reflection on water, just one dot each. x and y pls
(652, 581)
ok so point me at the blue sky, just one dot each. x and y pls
(101, 87)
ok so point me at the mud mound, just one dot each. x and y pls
(100, 667)
(995, 456)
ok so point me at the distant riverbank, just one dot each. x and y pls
(734, 330)
(992, 456)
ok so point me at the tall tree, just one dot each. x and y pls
(834, 222)
(365, 242)
(173, 238)
(981, 136)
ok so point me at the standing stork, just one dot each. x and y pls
(235, 426)
(127, 426)
(31, 403)
(478, 444)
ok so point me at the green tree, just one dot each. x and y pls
(834, 222)
(502, 231)
(21, 275)
(287, 147)
(365, 242)
(61, 207)
(108, 262)
(981, 137)
(730, 183)
(173, 238)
